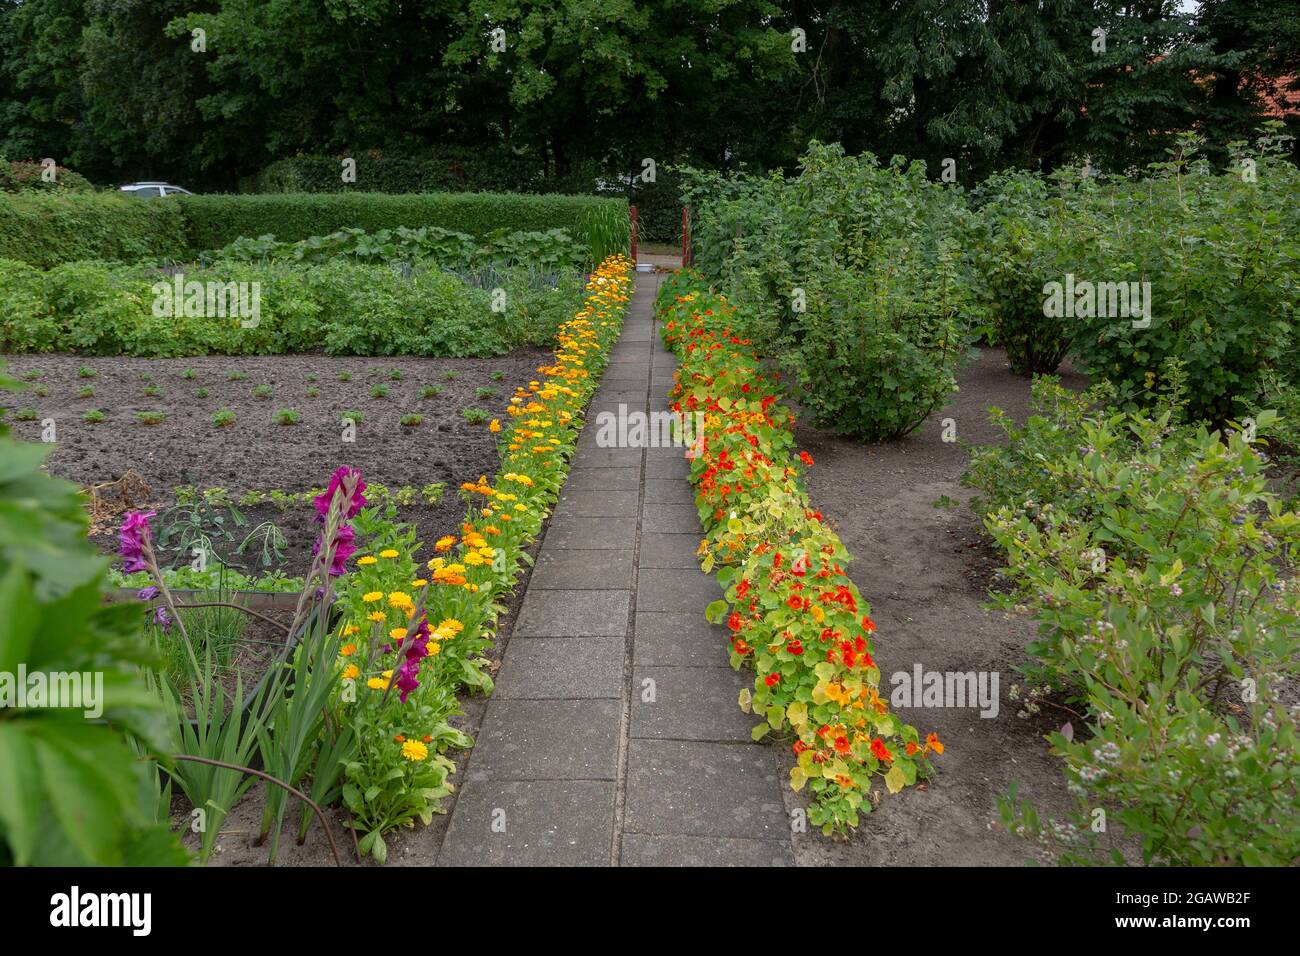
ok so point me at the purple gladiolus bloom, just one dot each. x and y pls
(354, 505)
(162, 618)
(416, 650)
(147, 593)
(131, 540)
(344, 548)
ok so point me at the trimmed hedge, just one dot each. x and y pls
(215, 221)
(47, 229)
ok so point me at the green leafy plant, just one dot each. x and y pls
(410, 421)
(93, 416)
(262, 391)
(223, 418)
(150, 418)
(287, 416)
(430, 391)
(475, 416)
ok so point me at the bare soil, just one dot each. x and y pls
(256, 453)
(925, 571)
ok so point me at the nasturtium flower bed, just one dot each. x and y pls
(413, 630)
(791, 611)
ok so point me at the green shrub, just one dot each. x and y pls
(1161, 572)
(27, 322)
(1010, 244)
(48, 229)
(852, 274)
(1222, 256)
(347, 308)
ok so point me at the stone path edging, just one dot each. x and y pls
(613, 736)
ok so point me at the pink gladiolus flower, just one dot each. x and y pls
(344, 548)
(355, 504)
(131, 540)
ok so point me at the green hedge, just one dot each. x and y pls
(215, 221)
(456, 171)
(46, 230)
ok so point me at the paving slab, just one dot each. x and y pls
(604, 504)
(671, 589)
(591, 534)
(648, 849)
(583, 570)
(531, 823)
(660, 549)
(573, 613)
(678, 639)
(682, 519)
(562, 668)
(668, 491)
(667, 468)
(589, 480)
(686, 788)
(686, 704)
(593, 457)
(547, 740)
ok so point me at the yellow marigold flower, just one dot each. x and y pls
(494, 426)
(474, 559)
(347, 650)
(415, 751)
(388, 553)
(367, 559)
(398, 633)
(444, 543)
(419, 583)
(435, 564)
(378, 616)
(370, 597)
(350, 672)
(521, 507)
(451, 624)
(376, 683)
(434, 648)
(399, 599)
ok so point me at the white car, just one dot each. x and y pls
(153, 190)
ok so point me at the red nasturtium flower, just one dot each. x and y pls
(735, 622)
(842, 745)
(881, 751)
(806, 458)
(772, 679)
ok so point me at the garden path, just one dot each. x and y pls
(613, 736)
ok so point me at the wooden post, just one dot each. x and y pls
(686, 236)
(633, 210)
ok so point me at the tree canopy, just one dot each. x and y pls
(208, 91)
